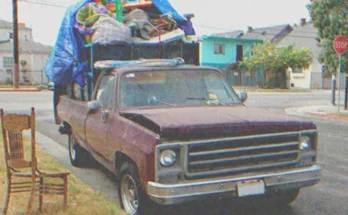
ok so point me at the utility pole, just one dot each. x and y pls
(15, 46)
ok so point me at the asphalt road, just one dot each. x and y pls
(330, 196)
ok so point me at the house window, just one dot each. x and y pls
(7, 62)
(297, 70)
(219, 48)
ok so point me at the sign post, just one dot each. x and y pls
(340, 44)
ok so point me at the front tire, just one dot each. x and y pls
(77, 155)
(133, 199)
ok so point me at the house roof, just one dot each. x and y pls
(303, 36)
(233, 34)
(4, 41)
(28, 47)
(207, 37)
(5, 24)
(8, 25)
(272, 33)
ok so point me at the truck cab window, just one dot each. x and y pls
(106, 92)
(174, 88)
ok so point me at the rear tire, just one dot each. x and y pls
(133, 199)
(77, 155)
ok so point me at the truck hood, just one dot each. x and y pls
(213, 122)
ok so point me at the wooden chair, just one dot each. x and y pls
(23, 174)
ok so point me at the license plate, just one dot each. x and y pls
(250, 187)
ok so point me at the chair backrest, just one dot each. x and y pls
(13, 126)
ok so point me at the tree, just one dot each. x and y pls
(275, 61)
(23, 64)
(330, 17)
(24, 70)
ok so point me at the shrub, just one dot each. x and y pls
(41, 87)
(8, 81)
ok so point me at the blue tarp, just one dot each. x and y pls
(165, 7)
(65, 62)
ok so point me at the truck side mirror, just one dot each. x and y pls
(93, 105)
(50, 86)
(243, 96)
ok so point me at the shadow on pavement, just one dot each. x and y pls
(225, 206)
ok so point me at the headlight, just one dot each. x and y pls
(167, 157)
(305, 143)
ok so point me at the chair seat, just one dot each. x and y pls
(42, 174)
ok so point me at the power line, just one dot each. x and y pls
(49, 3)
(44, 2)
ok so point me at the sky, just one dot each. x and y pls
(210, 16)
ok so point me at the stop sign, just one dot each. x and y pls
(340, 44)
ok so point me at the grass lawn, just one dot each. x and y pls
(81, 198)
(23, 87)
(343, 115)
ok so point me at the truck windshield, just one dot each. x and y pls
(175, 88)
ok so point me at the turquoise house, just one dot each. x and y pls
(219, 52)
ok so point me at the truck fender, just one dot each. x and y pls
(120, 158)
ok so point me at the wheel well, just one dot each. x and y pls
(65, 128)
(120, 158)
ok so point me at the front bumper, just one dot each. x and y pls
(177, 193)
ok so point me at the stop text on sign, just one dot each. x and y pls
(340, 44)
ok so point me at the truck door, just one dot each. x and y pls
(98, 122)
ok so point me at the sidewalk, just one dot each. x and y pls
(322, 111)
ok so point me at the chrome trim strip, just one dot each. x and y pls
(214, 161)
(233, 170)
(164, 145)
(240, 149)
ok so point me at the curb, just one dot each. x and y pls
(331, 116)
(19, 90)
(316, 114)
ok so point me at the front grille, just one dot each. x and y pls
(242, 154)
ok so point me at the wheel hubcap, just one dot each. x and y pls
(129, 195)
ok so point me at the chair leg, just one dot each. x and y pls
(7, 199)
(31, 198)
(41, 193)
(65, 192)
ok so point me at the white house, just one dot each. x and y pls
(304, 36)
(32, 55)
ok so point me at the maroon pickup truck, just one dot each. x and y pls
(177, 133)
